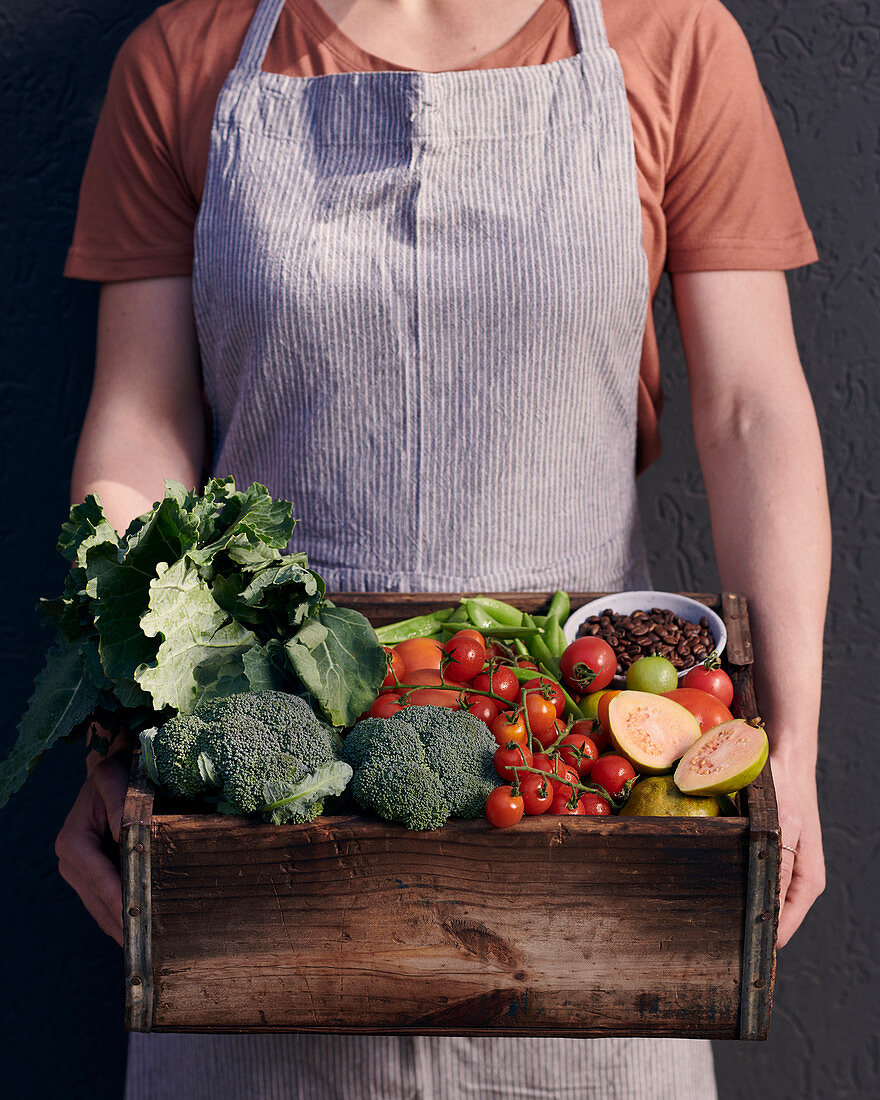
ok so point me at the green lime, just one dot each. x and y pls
(654, 674)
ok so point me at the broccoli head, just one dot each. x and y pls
(422, 766)
(261, 749)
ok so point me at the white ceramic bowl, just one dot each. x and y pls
(624, 603)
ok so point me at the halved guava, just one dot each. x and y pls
(658, 796)
(651, 731)
(724, 760)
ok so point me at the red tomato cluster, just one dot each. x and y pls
(549, 776)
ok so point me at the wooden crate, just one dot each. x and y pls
(566, 926)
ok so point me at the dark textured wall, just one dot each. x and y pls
(61, 1010)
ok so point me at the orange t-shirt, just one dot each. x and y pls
(715, 187)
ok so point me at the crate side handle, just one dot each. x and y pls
(137, 816)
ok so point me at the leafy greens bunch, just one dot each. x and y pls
(197, 600)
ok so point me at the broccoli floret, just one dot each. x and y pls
(252, 746)
(175, 754)
(460, 749)
(407, 793)
(422, 766)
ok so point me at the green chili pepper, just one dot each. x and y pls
(418, 627)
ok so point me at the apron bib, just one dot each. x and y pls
(421, 300)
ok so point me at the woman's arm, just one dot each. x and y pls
(761, 457)
(144, 423)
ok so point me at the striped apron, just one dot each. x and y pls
(421, 299)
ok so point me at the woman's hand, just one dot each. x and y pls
(803, 871)
(81, 845)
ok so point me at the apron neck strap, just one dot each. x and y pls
(259, 35)
(588, 21)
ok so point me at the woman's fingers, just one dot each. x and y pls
(805, 872)
(802, 875)
(82, 860)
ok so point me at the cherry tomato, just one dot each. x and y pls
(417, 653)
(602, 709)
(612, 773)
(500, 680)
(395, 667)
(708, 710)
(384, 706)
(438, 691)
(602, 736)
(504, 808)
(548, 738)
(588, 664)
(537, 793)
(469, 632)
(464, 658)
(594, 805)
(579, 751)
(589, 704)
(715, 681)
(481, 707)
(510, 756)
(545, 763)
(541, 713)
(525, 662)
(549, 689)
(567, 778)
(562, 803)
(510, 728)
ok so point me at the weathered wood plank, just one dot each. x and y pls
(762, 883)
(355, 925)
(135, 842)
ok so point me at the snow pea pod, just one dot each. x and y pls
(554, 636)
(418, 627)
(560, 607)
(540, 651)
(500, 611)
(496, 630)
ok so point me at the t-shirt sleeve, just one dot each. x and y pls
(136, 210)
(730, 201)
